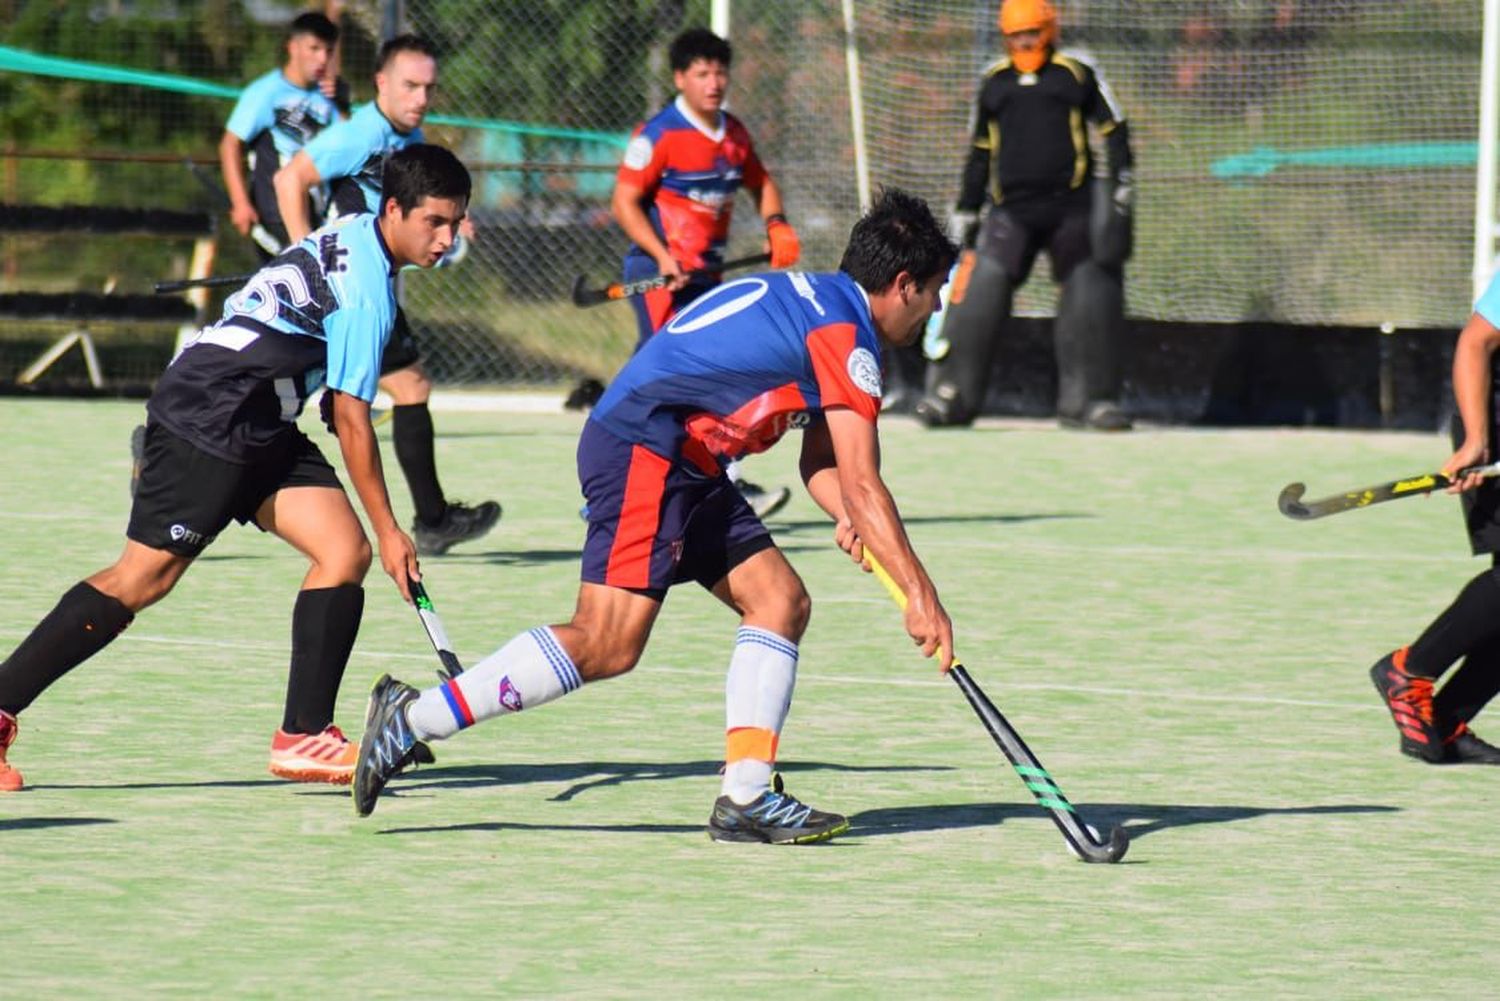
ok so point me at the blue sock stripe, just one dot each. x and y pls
(557, 658)
(749, 634)
(463, 721)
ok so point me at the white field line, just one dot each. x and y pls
(805, 677)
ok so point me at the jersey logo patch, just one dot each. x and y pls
(638, 153)
(864, 370)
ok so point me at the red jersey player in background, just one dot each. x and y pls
(674, 197)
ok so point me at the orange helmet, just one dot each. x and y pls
(1029, 15)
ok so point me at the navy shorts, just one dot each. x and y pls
(186, 497)
(655, 522)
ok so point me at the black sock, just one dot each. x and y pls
(411, 430)
(1472, 620)
(325, 621)
(1472, 686)
(84, 622)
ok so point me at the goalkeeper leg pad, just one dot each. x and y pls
(958, 384)
(1088, 338)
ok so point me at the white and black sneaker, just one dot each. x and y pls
(762, 501)
(388, 744)
(775, 818)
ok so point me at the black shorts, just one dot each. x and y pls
(186, 497)
(1481, 505)
(402, 350)
(1013, 234)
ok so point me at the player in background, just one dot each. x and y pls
(1435, 727)
(674, 197)
(222, 444)
(1030, 161)
(276, 116)
(348, 157)
(730, 374)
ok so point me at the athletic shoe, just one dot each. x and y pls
(941, 408)
(775, 818)
(10, 778)
(1464, 748)
(762, 501)
(460, 524)
(584, 395)
(137, 455)
(1409, 698)
(388, 744)
(313, 757)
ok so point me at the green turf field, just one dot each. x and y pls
(1184, 660)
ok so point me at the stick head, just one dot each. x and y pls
(583, 296)
(1097, 850)
(1290, 501)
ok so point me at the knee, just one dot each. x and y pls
(599, 661)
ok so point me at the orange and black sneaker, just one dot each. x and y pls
(10, 778)
(328, 756)
(1409, 698)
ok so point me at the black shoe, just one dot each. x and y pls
(137, 455)
(1101, 415)
(762, 501)
(942, 408)
(460, 524)
(584, 395)
(388, 744)
(775, 818)
(1409, 698)
(1465, 748)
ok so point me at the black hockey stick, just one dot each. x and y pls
(1082, 839)
(1291, 504)
(262, 236)
(215, 281)
(583, 297)
(435, 632)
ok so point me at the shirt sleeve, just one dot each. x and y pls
(644, 161)
(356, 336)
(252, 113)
(339, 150)
(1488, 305)
(847, 372)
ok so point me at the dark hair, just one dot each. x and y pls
(698, 43)
(402, 43)
(420, 171)
(897, 234)
(313, 23)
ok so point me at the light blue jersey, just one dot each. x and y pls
(275, 118)
(350, 157)
(320, 312)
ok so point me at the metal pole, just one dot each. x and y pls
(857, 108)
(392, 19)
(1489, 131)
(718, 18)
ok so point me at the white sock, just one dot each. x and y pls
(529, 671)
(757, 698)
(732, 470)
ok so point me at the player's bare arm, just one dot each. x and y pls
(292, 183)
(398, 554)
(1477, 343)
(876, 524)
(625, 204)
(242, 213)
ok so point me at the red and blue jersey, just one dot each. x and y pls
(689, 176)
(743, 364)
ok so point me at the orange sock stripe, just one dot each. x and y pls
(750, 742)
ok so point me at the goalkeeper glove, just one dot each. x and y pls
(785, 247)
(963, 227)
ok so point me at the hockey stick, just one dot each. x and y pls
(1291, 504)
(1082, 839)
(215, 281)
(584, 297)
(435, 632)
(258, 233)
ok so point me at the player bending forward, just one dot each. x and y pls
(730, 374)
(222, 444)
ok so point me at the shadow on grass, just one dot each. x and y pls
(36, 823)
(518, 557)
(1138, 819)
(777, 525)
(588, 775)
(215, 784)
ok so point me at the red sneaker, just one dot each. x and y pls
(1409, 698)
(314, 757)
(10, 778)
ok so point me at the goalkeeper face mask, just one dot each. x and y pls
(1030, 30)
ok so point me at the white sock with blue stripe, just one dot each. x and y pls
(529, 671)
(757, 698)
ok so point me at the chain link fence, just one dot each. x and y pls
(1299, 161)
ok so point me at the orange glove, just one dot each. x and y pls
(784, 245)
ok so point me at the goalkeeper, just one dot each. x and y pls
(1030, 161)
